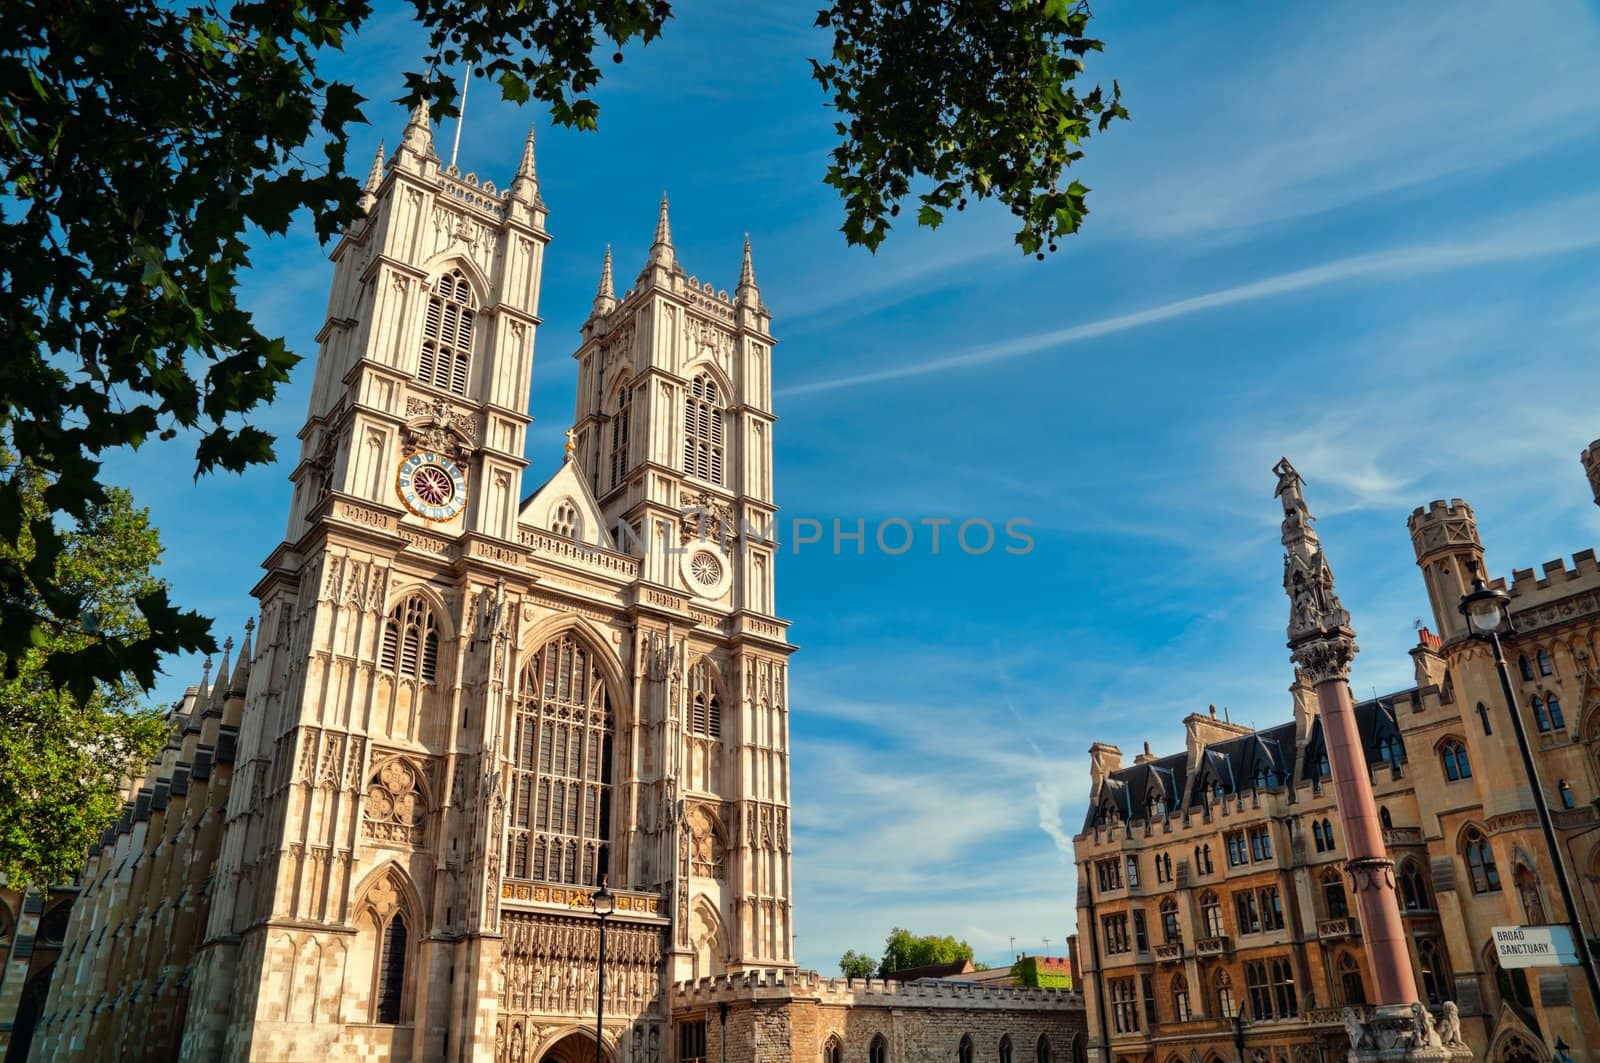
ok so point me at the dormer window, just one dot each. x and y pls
(447, 334)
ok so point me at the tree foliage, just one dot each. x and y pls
(143, 143)
(974, 97)
(65, 757)
(903, 951)
(855, 964)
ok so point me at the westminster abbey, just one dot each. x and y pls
(377, 833)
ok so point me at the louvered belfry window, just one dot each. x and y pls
(702, 439)
(561, 802)
(411, 641)
(447, 334)
(705, 710)
(620, 423)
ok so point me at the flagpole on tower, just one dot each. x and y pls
(461, 115)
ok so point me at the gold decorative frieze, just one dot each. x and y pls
(578, 898)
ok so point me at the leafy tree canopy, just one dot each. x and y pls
(904, 950)
(143, 143)
(855, 964)
(65, 757)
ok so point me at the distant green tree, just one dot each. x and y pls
(65, 757)
(903, 951)
(855, 964)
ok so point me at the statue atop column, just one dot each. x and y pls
(1320, 636)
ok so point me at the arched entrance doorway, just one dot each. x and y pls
(575, 1047)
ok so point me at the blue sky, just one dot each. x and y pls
(1363, 237)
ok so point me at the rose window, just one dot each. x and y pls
(706, 568)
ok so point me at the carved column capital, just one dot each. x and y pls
(1326, 657)
(1370, 873)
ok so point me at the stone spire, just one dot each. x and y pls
(418, 135)
(219, 692)
(241, 670)
(661, 252)
(205, 679)
(369, 191)
(747, 291)
(1317, 620)
(605, 297)
(525, 185)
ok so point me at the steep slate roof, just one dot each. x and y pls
(1234, 760)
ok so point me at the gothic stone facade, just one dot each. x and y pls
(1211, 881)
(378, 835)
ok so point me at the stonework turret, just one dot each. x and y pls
(1591, 466)
(1319, 627)
(1449, 553)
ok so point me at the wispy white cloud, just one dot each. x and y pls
(1555, 230)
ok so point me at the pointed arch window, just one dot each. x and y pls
(1384, 820)
(1558, 721)
(1351, 986)
(561, 799)
(1435, 972)
(1540, 719)
(1414, 888)
(621, 427)
(833, 1051)
(878, 1050)
(1004, 1053)
(392, 970)
(1180, 998)
(1222, 988)
(1546, 664)
(410, 645)
(964, 1052)
(1453, 752)
(1211, 914)
(702, 438)
(564, 521)
(447, 334)
(705, 708)
(1333, 899)
(1171, 932)
(1525, 668)
(1481, 868)
(1041, 1049)
(1392, 751)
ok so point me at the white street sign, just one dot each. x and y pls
(1535, 946)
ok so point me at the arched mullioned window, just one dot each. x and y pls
(1171, 931)
(964, 1051)
(1222, 989)
(1547, 666)
(1540, 719)
(410, 647)
(702, 436)
(447, 334)
(1525, 668)
(1080, 1049)
(1392, 751)
(1414, 888)
(833, 1051)
(564, 522)
(1180, 998)
(561, 802)
(1041, 1049)
(1211, 914)
(621, 426)
(878, 1050)
(1453, 754)
(705, 708)
(1351, 986)
(1558, 721)
(1435, 973)
(1481, 868)
(1003, 1054)
(392, 970)
(1333, 899)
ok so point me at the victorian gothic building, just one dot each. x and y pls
(376, 835)
(1216, 914)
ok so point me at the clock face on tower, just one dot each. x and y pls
(432, 486)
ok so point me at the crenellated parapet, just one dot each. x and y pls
(777, 983)
(1443, 527)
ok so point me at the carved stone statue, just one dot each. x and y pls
(1354, 1028)
(1450, 1026)
(1427, 1034)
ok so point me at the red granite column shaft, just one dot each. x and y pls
(1371, 871)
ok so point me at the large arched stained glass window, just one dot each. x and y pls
(561, 804)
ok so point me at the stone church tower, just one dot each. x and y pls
(466, 708)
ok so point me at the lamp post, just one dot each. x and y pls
(1238, 1032)
(604, 903)
(1488, 616)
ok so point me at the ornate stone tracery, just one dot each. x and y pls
(395, 808)
(549, 964)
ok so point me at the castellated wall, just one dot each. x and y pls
(792, 1017)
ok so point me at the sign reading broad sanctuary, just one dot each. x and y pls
(1535, 946)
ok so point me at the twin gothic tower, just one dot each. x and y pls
(466, 707)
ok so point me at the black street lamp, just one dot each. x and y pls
(1488, 616)
(604, 903)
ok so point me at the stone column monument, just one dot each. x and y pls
(1322, 644)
